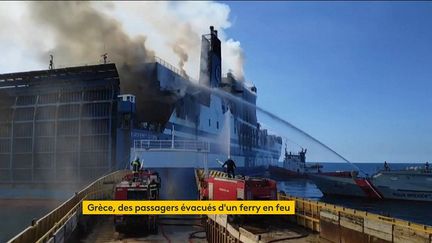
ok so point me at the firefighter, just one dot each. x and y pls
(386, 166)
(136, 165)
(230, 164)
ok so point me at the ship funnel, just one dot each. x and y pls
(210, 63)
(213, 31)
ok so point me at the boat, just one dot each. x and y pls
(294, 166)
(223, 115)
(75, 124)
(407, 184)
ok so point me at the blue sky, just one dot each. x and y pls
(355, 75)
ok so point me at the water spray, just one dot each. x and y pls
(234, 98)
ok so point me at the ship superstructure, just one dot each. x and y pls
(230, 127)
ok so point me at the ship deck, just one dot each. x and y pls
(191, 229)
(313, 222)
(170, 230)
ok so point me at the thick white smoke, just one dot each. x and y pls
(170, 30)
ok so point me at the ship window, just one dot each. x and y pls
(217, 125)
(209, 123)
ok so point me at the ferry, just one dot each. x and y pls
(229, 127)
(72, 125)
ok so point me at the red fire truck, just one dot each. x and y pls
(142, 185)
(245, 188)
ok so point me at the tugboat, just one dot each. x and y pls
(414, 183)
(294, 165)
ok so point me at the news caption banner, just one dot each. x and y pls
(177, 207)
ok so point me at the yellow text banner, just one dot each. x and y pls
(174, 207)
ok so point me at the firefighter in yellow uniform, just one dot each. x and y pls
(136, 165)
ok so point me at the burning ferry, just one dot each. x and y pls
(227, 123)
(78, 123)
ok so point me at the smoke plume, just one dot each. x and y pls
(82, 33)
(78, 33)
(183, 56)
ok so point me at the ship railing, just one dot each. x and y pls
(170, 67)
(172, 145)
(322, 217)
(64, 218)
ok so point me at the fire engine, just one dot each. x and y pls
(239, 188)
(141, 185)
(218, 186)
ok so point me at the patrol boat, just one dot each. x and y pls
(409, 184)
